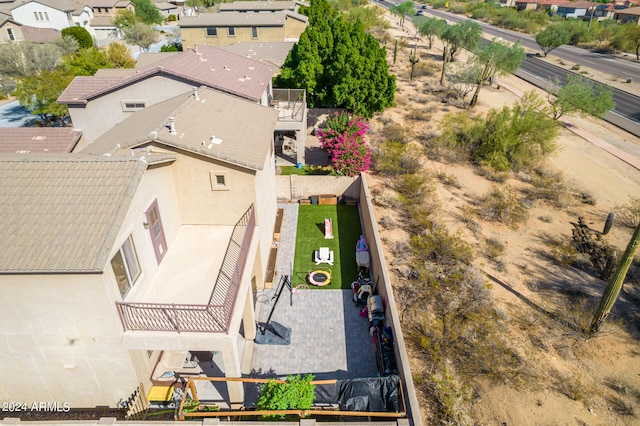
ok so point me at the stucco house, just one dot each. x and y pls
(259, 6)
(631, 14)
(575, 9)
(54, 14)
(99, 102)
(221, 29)
(104, 12)
(10, 30)
(138, 250)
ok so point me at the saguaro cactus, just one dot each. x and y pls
(615, 284)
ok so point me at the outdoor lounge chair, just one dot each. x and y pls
(323, 255)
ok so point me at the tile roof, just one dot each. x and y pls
(101, 3)
(62, 213)
(38, 139)
(40, 35)
(631, 11)
(257, 5)
(275, 19)
(272, 52)
(577, 4)
(202, 65)
(245, 128)
(62, 5)
(148, 58)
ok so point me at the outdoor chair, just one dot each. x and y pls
(323, 255)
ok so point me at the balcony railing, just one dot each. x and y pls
(213, 317)
(290, 103)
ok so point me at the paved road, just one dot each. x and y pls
(601, 62)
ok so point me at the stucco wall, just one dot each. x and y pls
(193, 36)
(294, 187)
(102, 113)
(266, 207)
(380, 275)
(25, 15)
(293, 28)
(16, 29)
(60, 341)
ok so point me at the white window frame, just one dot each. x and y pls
(129, 257)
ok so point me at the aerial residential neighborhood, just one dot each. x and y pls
(297, 211)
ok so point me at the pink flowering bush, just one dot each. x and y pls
(343, 139)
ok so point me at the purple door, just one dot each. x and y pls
(156, 231)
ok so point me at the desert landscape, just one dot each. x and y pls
(568, 379)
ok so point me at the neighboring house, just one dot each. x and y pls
(222, 29)
(166, 9)
(548, 5)
(97, 103)
(507, 3)
(27, 140)
(607, 11)
(10, 30)
(574, 9)
(631, 14)
(118, 268)
(259, 6)
(104, 12)
(54, 14)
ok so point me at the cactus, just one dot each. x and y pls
(414, 59)
(609, 223)
(395, 51)
(615, 284)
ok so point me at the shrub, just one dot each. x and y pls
(441, 247)
(502, 205)
(344, 141)
(628, 214)
(81, 35)
(296, 394)
(394, 158)
(172, 18)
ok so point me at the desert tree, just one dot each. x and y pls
(39, 93)
(85, 62)
(496, 58)
(627, 38)
(552, 37)
(141, 35)
(120, 56)
(24, 58)
(463, 77)
(402, 10)
(430, 28)
(580, 96)
(463, 35)
(147, 12)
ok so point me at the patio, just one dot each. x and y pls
(329, 338)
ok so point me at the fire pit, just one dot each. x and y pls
(319, 277)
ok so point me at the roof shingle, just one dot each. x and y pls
(62, 213)
(38, 139)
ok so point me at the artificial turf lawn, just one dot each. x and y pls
(310, 237)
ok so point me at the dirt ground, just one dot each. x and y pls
(584, 382)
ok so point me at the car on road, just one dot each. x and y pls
(420, 13)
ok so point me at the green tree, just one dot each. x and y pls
(554, 36)
(338, 64)
(120, 56)
(466, 34)
(580, 96)
(24, 58)
(463, 77)
(628, 39)
(297, 393)
(85, 62)
(174, 46)
(431, 28)
(402, 10)
(39, 93)
(498, 58)
(140, 34)
(81, 35)
(147, 12)
(124, 18)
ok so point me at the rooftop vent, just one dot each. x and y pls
(172, 125)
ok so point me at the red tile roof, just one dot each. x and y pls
(204, 65)
(38, 139)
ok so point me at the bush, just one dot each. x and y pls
(296, 394)
(394, 158)
(441, 247)
(628, 214)
(172, 18)
(502, 205)
(81, 35)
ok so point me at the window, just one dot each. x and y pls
(36, 15)
(254, 32)
(126, 267)
(219, 181)
(133, 105)
(212, 32)
(232, 31)
(10, 34)
(46, 16)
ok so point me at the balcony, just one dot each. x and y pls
(291, 104)
(183, 278)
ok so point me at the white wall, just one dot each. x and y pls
(25, 15)
(60, 342)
